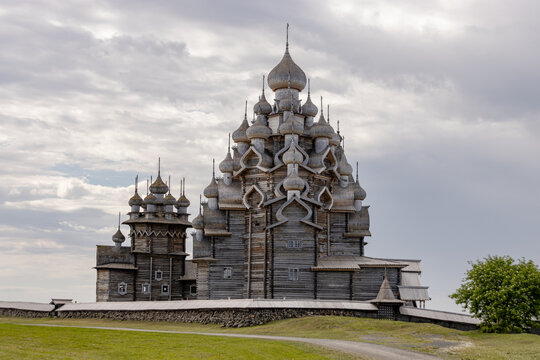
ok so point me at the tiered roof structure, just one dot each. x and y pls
(286, 204)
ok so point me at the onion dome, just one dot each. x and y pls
(135, 200)
(262, 107)
(291, 127)
(182, 201)
(309, 108)
(258, 131)
(118, 237)
(227, 165)
(240, 134)
(321, 128)
(279, 76)
(150, 199)
(198, 222)
(292, 156)
(169, 199)
(344, 167)
(293, 182)
(359, 192)
(211, 191)
(158, 186)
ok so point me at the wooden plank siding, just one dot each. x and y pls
(289, 258)
(203, 292)
(333, 285)
(340, 245)
(367, 282)
(102, 285)
(229, 252)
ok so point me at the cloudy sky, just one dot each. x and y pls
(439, 103)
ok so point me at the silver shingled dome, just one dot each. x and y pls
(279, 76)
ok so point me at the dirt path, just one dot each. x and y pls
(373, 351)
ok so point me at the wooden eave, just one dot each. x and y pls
(218, 233)
(157, 220)
(117, 266)
(358, 234)
(204, 259)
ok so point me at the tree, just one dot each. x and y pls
(504, 295)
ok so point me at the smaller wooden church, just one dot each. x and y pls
(154, 266)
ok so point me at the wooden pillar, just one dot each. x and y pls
(170, 278)
(150, 293)
(328, 233)
(315, 273)
(249, 257)
(350, 285)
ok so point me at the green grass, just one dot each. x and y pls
(33, 342)
(445, 343)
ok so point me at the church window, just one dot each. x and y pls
(159, 275)
(293, 273)
(122, 288)
(146, 288)
(227, 273)
(294, 244)
(165, 289)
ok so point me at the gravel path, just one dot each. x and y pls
(373, 351)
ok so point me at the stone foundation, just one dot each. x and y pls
(24, 313)
(224, 317)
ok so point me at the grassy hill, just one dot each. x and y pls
(443, 342)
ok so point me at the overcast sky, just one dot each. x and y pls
(438, 101)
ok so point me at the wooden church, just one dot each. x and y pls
(285, 221)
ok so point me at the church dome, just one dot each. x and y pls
(227, 165)
(150, 199)
(292, 156)
(291, 127)
(158, 186)
(309, 108)
(169, 199)
(279, 76)
(293, 182)
(262, 107)
(135, 200)
(240, 134)
(211, 191)
(258, 131)
(182, 201)
(321, 128)
(344, 168)
(118, 237)
(359, 192)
